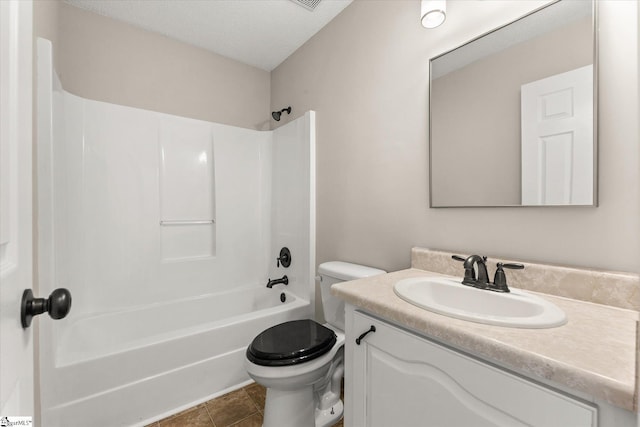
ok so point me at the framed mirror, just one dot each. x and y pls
(513, 116)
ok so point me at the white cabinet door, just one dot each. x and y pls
(16, 346)
(557, 139)
(396, 378)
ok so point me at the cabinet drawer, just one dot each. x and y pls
(403, 379)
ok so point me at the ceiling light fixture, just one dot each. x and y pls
(433, 12)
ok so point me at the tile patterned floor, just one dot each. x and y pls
(240, 408)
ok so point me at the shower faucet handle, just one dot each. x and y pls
(284, 258)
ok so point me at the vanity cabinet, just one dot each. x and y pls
(395, 377)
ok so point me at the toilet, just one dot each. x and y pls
(301, 362)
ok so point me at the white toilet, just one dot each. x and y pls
(301, 362)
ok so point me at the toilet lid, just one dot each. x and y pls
(290, 343)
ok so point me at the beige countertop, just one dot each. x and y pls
(594, 353)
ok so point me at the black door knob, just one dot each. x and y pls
(57, 305)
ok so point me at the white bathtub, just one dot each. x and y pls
(136, 366)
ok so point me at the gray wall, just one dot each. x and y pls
(366, 75)
(107, 60)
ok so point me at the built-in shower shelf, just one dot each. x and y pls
(189, 222)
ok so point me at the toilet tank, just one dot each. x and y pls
(334, 272)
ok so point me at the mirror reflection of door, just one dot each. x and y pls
(475, 123)
(557, 139)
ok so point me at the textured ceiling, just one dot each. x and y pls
(262, 33)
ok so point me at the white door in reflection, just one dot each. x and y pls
(557, 139)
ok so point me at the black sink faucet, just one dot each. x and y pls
(470, 262)
(482, 282)
(284, 280)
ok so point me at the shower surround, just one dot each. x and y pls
(165, 230)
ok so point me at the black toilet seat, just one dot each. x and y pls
(291, 343)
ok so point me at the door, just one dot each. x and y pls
(16, 343)
(557, 139)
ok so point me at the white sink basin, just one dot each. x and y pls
(516, 309)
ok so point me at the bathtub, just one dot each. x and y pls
(139, 365)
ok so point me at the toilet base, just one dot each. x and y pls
(330, 416)
(298, 408)
(289, 408)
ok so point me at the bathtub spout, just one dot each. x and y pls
(284, 281)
